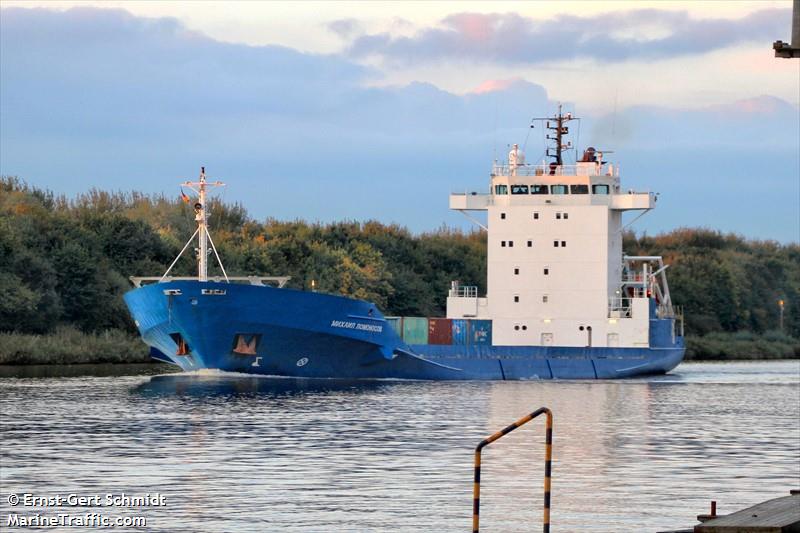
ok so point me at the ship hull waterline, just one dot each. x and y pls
(285, 332)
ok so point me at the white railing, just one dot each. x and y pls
(278, 281)
(464, 291)
(634, 278)
(619, 307)
(555, 170)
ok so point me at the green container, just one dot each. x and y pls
(415, 330)
(396, 323)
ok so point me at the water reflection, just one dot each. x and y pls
(210, 385)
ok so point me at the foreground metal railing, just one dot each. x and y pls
(548, 457)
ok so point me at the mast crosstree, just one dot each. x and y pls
(559, 128)
(203, 236)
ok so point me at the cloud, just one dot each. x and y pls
(100, 98)
(512, 39)
(345, 28)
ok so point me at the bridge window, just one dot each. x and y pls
(501, 189)
(539, 189)
(519, 189)
(558, 189)
(599, 189)
(579, 189)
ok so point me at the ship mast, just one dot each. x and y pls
(203, 236)
(560, 129)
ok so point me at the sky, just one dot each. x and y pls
(354, 110)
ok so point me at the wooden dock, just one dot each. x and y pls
(779, 515)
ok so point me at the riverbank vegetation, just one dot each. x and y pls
(64, 265)
(66, 345)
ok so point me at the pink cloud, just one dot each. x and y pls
(490, 86)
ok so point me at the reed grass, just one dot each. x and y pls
(67, 345)
(742, 345)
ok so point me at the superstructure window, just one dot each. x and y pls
(566, 216)
(501, 189)
(579, 189)
(503, 216)
(599, 189)
(503, 244)
(535, 215)
(563, 244)
(544, 298)
(539, 189)
(516, 271)
(558, 216)
(558, 189)
(519, 189)
(516, 298)
(546, 271)
(510, 244)
(555, 244)
(530, 244)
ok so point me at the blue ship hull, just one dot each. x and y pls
(284, 332)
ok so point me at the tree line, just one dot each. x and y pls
(66, 261)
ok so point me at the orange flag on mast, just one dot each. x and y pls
(184, 197)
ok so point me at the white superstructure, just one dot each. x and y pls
(557, 275)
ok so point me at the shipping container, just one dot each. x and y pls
(480, 332)
(440, 331)
(396, 324)
(415, 330)
(460, 331)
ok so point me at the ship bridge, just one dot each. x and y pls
(583, 183)
(556, 272)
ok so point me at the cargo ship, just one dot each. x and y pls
(562, 300)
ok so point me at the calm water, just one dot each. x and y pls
(256, 454)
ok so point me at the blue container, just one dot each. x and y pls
(480, 332)
(460, 328)
(415, 330)
(396, 324)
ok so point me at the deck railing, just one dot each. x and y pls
(557, 170)
(464, 291)
(619, 307)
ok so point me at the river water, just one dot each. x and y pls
(234, 453)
